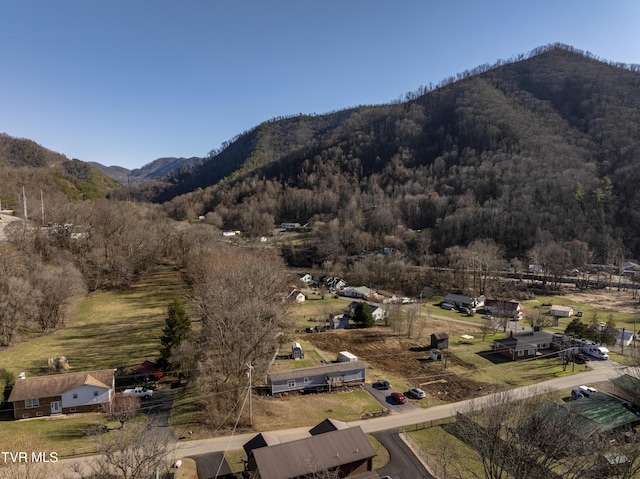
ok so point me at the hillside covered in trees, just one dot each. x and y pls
(541, 147)
(24, 163)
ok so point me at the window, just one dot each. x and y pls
(532, 352)
(72, 409)
(307, 380)
(25, 416)
(29, 403)
(291, 383)
(75, 395)
(39, 413)
(95, 393)
(520, 353)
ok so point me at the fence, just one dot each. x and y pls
(435, 469)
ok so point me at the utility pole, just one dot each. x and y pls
(249, 369)
(42, 206)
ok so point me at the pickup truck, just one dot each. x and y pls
(141, 392)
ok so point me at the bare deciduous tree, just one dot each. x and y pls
(136, 452)
(237, 295)
(124, 407)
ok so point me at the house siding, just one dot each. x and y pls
(86, 396)
(316, 378)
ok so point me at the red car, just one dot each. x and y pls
(398, 398)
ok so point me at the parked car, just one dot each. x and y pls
(416, 393)
(465, 310)
(576, 394)
(587, 390)
(398, 398)
(487, 316)
(141, 392)
(581, 358)
(382, 384)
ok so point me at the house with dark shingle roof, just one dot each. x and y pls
(62, 393)
(524, 345)
(340, 448)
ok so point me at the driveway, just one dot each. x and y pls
(403, 463)
(384, 397)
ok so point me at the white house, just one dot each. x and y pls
(560, 311)
(307, 278)
(62, 393)
(378, 313)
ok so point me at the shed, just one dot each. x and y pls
(436, 354)
(560, 311)
(346, 356)
(339, 322)
(296, 351)
(440, 340)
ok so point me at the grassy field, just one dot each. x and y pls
(66, 435)
(106, 330)
(440, 447)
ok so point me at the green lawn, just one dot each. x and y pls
(106, 330)
(65, 435)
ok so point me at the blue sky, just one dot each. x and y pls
(123, 82)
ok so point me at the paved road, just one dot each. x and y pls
(403, 463)
(602, 371)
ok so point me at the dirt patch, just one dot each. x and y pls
(622, 301)
(406, 359)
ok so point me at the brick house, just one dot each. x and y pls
(86, 391)
(525, 345)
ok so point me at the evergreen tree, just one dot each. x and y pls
(362, 315)
(176, 330)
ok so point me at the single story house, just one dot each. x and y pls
(317, 377)
(377, 312)
(561, 311)
(62, 393)
(343, 449)
(463, 301)
(360, 292)
(524, 345)
(504, 308)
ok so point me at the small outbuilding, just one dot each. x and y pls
(436, 355)
(440, 340)
(296, 351)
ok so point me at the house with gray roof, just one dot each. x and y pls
(344, 449)
(525, 345)
(62, 393)
(317, 378)
(628, 387)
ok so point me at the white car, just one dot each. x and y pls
(416, 393)
(588, 390)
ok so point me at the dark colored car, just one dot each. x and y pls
(382, 384)
(576, 394)
(398, 398)
(581, 359)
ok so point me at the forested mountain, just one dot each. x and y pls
(541, 147)
(24, 163)
(156, 170)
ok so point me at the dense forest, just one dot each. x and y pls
(541, 147)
